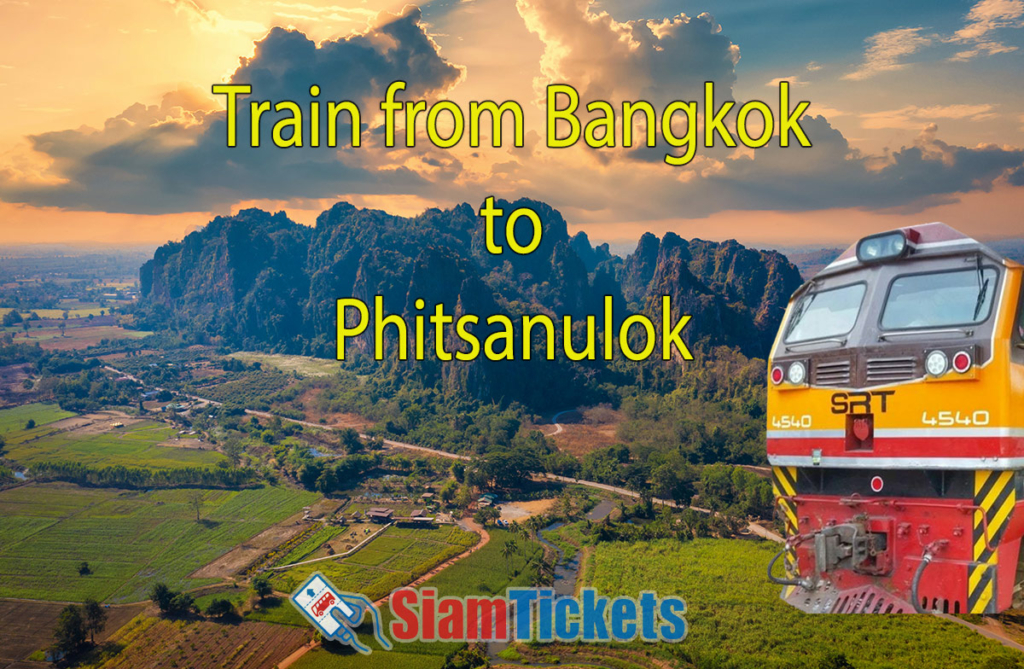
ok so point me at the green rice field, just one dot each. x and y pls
(138, 445)
(130, 539)
(393, 559)
(13, 421)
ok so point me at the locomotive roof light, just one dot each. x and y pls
(797, 373)
(962, 362)
(879, 248)
(936, 363)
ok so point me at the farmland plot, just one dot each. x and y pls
(395, 558)
(137, 445)
(13, 421)
(26, 627)
(149, 643)
(130, 539)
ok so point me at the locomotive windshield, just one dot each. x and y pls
(940, 299)
(826, 313)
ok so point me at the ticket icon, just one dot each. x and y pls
(336, 614)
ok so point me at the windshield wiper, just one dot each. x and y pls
(982, 291)
(801, 308)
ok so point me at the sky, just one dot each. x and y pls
(109, 132)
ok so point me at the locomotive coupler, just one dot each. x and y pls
(849, 546)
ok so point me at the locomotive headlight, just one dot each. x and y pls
(797, 373)
(877, 248)
(777, 375)
(936, 363)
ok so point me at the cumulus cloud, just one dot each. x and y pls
(831, 175)
(984, 19)
(887, 50)
(644, 59)
(173, 157)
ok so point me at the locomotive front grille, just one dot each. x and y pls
(884, 370)
(832, 373)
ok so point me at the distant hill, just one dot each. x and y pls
(1011, 248)
(259, 281)
(810, 261)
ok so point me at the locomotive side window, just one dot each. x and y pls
(940, 299)
(826, 313)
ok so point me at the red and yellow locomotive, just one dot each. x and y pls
(896, 428)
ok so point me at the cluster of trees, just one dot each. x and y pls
(119, 476)
(663, 473)
(736, 492)
(713, 411)
(662, 524)
(76, 626)
(339, 474)
(90, 390)
(171, 602)
(729, 489)
(471, 657)
(13, 317)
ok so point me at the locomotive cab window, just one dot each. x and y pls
(825, 313)
(940, 299)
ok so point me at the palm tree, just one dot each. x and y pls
(506, 552)
(545, 574)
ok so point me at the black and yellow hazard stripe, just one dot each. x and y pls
(784, 487)
(994, 497)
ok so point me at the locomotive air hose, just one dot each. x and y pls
(803, 583)
(915, 600)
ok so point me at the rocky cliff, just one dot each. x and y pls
(260, 281)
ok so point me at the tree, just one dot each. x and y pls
(448, 491)
(171, 601)
(220, 607)
(26, 326)
(195, 501)
(261, 586)
(31, 424)
(507, 551)
(233, 449)
(95, 618)
(486, 514)
(62, 326)
(69, 633)
(162, 596)
(181, 604)
(351, 442)
(83, 569)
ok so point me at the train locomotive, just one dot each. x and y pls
(896, 429)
